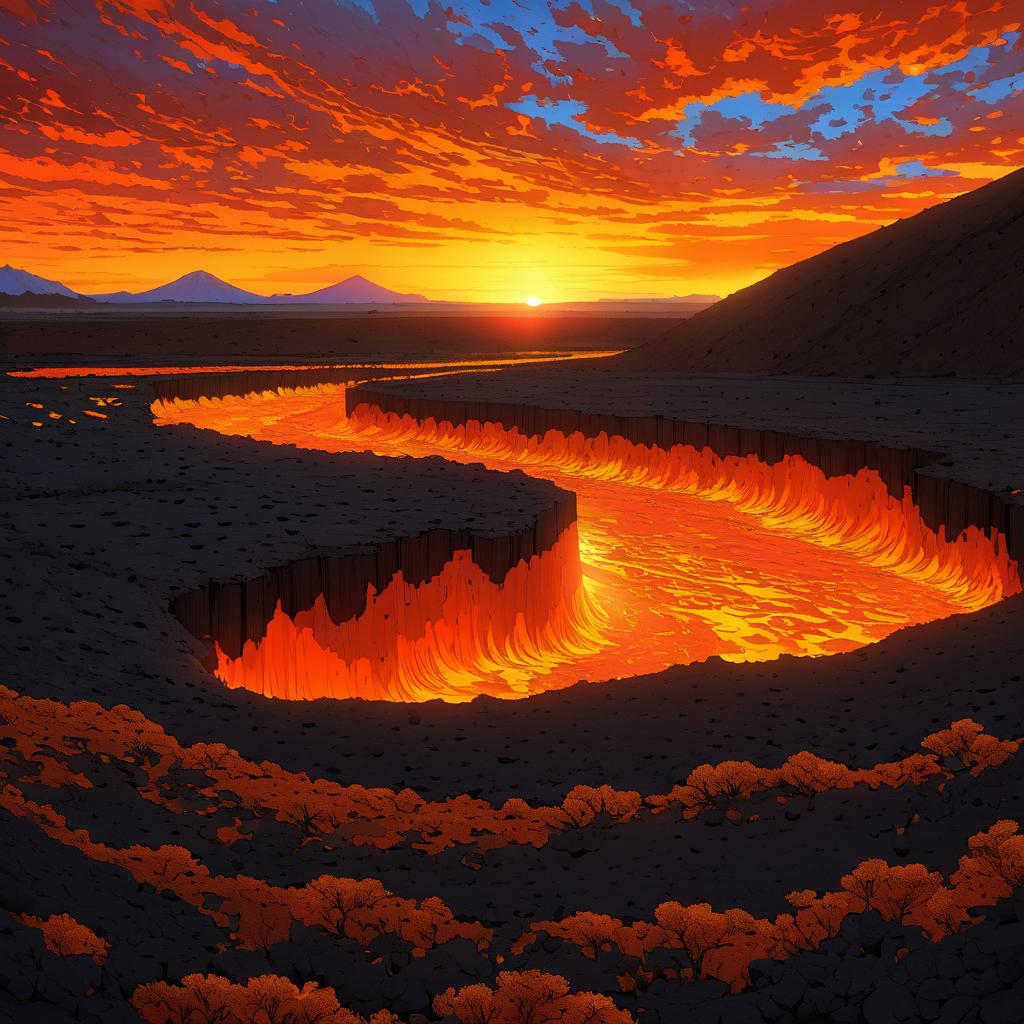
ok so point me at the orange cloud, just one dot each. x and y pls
(491, 148)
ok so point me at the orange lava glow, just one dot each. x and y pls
(455, 636)
(516, 359)
(63, 372)
(685, 556)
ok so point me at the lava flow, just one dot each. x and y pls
(454, 636)
(685, 556)
(470, 362)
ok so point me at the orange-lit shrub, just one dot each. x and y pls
(808, 774)
(594, 934)
(721, 785)
(363, 909)
(263, 913)
(895, 892)
(528, 997)
(64, 936)
(912, 770)
(946, 914)
(966, 741)
(720, 945)
(993, 868)
(48, 733)
(583, 804)
(816, 919)
(268, 999)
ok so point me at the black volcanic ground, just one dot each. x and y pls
(103, 522)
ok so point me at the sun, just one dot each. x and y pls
(533, 301)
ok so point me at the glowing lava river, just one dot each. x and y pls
(681, 556)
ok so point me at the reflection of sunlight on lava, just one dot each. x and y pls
(685, 555)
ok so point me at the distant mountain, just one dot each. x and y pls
(356, 289)
(17, 282)
(937, 293)
(199, 286)
(202, 287)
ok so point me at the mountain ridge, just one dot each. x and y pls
(202, 287)
(357, 289)
(937, 293)
(14, 281)
(196, 286)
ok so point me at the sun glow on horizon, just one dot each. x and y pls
(533, 301)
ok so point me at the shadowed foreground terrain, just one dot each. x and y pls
(566, 852)
(176, 334)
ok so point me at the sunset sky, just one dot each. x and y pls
(488, 150)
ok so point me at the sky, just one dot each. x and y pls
(487, 150)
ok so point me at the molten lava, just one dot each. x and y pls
(454, 636)
(685, 556)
